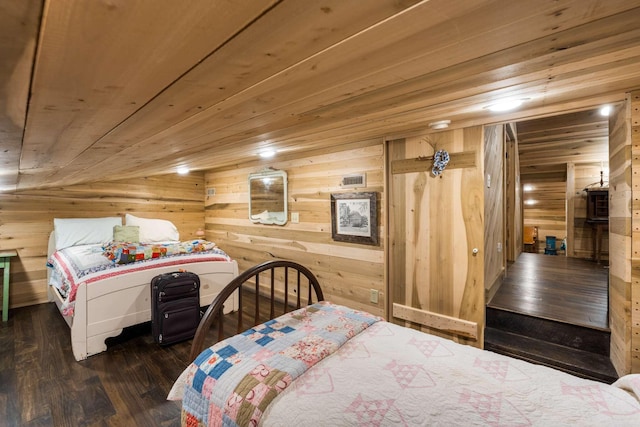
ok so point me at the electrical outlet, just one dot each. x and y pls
(295, 217)
(374, 296)
(499, 247)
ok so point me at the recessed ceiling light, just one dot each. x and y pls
(605, 110)
(527, 187)
(530, 202)
(182, 170)
(507, 104)
(441, 124)
(267, 153)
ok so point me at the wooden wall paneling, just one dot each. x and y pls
(586, 175)
(634, 135)
(548, 211)
(397, 235)
(494, 204)
(437, 223)
(571, 207)
(513, 194)
(26, 219)
(623, 187)
(348, 272)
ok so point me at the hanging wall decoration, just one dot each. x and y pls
(440, 161)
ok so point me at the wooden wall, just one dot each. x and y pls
(494, 205)
(634, 285)
(548, 212)
(348, 272)
(558, 199)
(513, 194)
(26, 219)
(586, 175)
(620, 237)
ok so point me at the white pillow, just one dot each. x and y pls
(84, 231)
(154, 230)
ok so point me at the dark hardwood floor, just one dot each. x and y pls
(556, 287)
(552, 310)
(41, 384)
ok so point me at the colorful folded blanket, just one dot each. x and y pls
(125, 253)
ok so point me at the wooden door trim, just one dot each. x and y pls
(438, 321)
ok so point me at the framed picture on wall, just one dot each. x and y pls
(354, 218)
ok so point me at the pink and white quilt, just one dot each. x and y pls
(394, 376)
(388, 375)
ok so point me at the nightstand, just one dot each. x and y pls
(5, 264)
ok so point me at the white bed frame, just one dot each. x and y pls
(104, 308)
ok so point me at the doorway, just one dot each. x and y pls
(552, 304)
(562, 161)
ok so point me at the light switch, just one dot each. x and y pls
(295, 217)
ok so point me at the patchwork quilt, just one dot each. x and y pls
(233, 382)
(90, 263)
(385, 375)
(390, 375)
(125, 253)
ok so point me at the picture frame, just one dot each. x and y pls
(354, 217)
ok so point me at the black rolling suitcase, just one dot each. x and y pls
(175, 306)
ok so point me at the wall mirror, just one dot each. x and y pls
(268, 197)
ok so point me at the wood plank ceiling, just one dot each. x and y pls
(547, 144)
(92, 90)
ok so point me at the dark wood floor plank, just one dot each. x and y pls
(556, 287)
(8, 391)
(34, 402)
(42, 384)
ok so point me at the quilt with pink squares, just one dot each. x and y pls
(389, 375)
(234, 381)
(386, 375)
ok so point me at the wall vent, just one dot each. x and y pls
(354, 180)
(211, 191)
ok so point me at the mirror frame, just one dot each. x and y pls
(271, 220)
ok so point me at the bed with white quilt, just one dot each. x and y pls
(329, 365)
(99, 273)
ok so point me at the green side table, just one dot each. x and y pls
(5, 264)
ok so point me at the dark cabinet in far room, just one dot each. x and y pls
(598, 205)
(598, 217)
